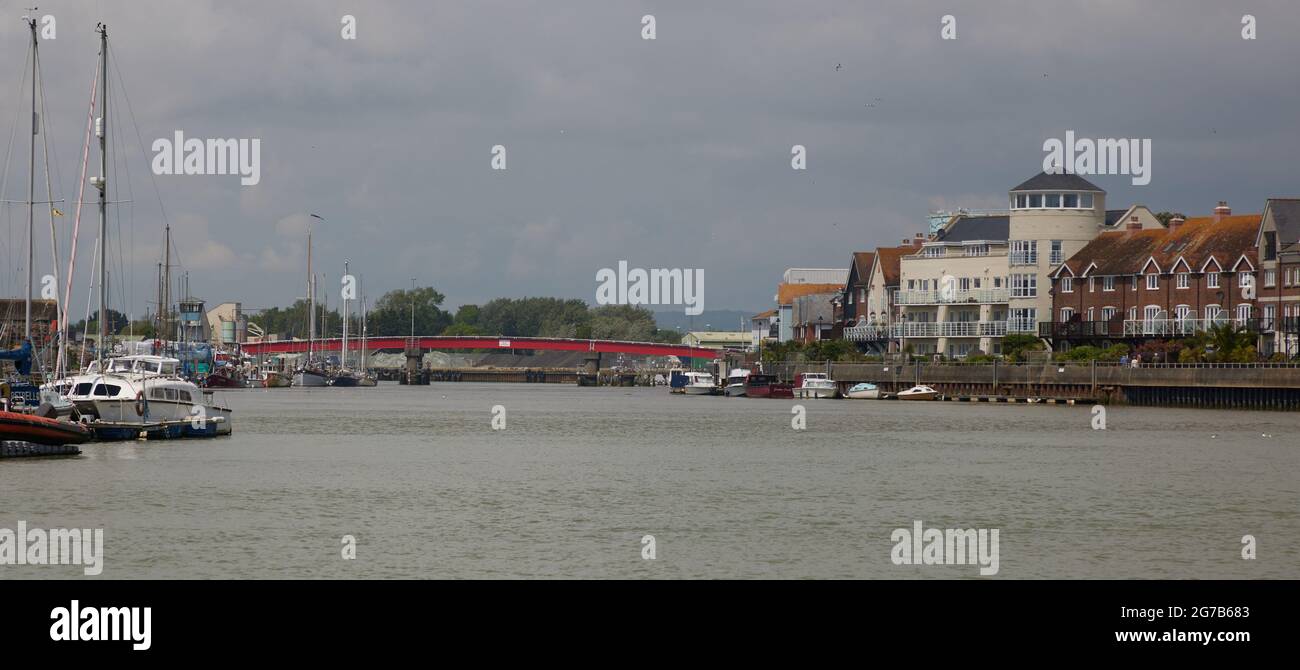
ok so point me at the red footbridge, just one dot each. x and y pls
(480, 342)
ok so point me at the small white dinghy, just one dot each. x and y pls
(863, 391)
(918, 393)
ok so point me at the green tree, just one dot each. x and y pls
(1016, 345)
(391, 315)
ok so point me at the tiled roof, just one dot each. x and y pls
(764, 315)
(1286, 216)
(786, 293)
(862, 261)
(1064, 181)
(1197, 240)
(889, 259)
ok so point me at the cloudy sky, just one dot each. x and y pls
(671, 153)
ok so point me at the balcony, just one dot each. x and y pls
(1077, 330)
(1188, 327)
(982, 296)
(1022, 326)
(1023, 258)
(871, 332)
(950, 329)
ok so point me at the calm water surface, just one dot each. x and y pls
(725, 485)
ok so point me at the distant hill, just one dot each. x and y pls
(710, 319)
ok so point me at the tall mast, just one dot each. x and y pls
(31, 188)
(311, 304)
(167, 285)
(363, 327)
(102, 132)
(343, 358)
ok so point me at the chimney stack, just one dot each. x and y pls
(1221, 211)
(1176, 221)
(1134, 223)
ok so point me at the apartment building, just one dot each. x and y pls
(952, 297)
(1137, 284)
(797, 282)
(1278, 247)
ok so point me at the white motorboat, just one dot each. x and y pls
(863, 391)
(736, 382)
(143, 390)
(699, 383)
(918, 393)
(816, 385)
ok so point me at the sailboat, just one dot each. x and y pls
(309, 374)
(344, 377)
(366, 378)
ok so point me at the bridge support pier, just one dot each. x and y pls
(590, 370)
(414, 374)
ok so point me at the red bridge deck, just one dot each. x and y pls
(480, 342)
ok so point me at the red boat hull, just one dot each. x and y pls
(39, 430)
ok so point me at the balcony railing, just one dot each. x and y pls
(1022, 325)
(871, 332)
(1023, 258)
(974, 296)
(949, 329)
(1068, 330)
(1188, 327)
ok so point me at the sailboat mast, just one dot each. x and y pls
(31, 189)
(167, 285)
(343, 357)
(102, 131)
(311, 300)
(364, 331)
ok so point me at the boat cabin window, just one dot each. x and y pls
(169, 368)
(171, 394)
(106, 390)
(149, 366)
(82, 389)
(185, 395)
(157, 394)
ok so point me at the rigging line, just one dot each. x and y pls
(4, 181)
(76, 222)
(49, 190)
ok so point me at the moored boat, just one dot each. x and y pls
(918, 393)
(863, 391)
(699, 383)
(736, 382)
(40, 430)
(767, 386)
(816, 385)
(310, 377)
(273, 379)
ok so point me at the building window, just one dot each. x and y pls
(1243, 313)
(1244, 279)
(1067, 284)
(1070, 200)
(911, 284)
(1108, 283)
(964, 283)
(1024, 252)
(1212, 313)
(1135, 282)
(1108, 313)
(1270, 278)
(1091, 313)
(1183, 312)
(1053, 200)
(934, 251)
(1024, 286)
(1067, 313)
(1184, 280)
(1153, 282)
(1058, 256)
(1212, 280)
(1085, 201)
(1035, 201)
(997, 282)
(1092, 284)
(1151, 313)
(1022, 320)
(1270, 311)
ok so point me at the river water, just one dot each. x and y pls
(727, 488)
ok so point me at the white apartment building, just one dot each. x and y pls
(981, 277)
